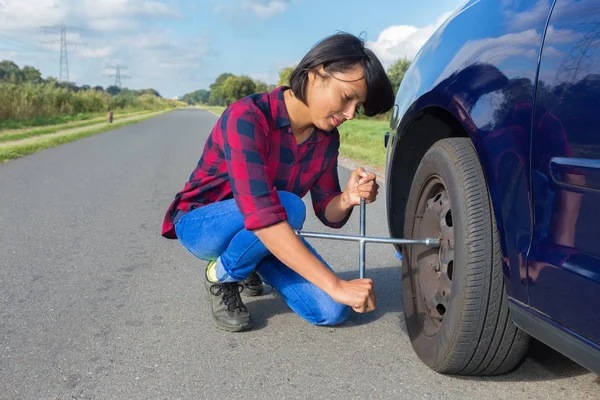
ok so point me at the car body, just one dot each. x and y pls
(520, 79)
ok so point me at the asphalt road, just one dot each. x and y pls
(94, 303)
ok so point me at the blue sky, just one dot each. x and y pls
(177, 46)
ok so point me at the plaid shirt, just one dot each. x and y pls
(250, 154)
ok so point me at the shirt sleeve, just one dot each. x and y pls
(245, 144)
(324, 190)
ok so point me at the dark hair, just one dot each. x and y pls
(338, 53)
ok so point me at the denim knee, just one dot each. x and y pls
(295, 209)
(334, 314)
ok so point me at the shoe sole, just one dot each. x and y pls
(229, 328)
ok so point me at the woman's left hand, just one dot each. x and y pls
(360, 185)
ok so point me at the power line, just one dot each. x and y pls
(14, 41)
(117, 75)
(64, 54)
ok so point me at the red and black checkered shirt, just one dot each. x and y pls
(251, 154)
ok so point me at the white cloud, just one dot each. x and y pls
(96, 52)
(8, 55)
(399, 41)
(263, 9)
(561, 36)
(524, 19)
(31, 14)
(113, 24)
(115, 8)
(114, 32)
(550, 51)
(495, 50)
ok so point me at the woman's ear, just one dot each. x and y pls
(315, 74)
(312, 77)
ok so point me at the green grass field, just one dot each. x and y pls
(16, 149)
(13, 135)
(362, 140)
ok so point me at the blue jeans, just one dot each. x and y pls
(216, 231)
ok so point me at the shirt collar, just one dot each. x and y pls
(279, 111)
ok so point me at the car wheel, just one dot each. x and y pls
(454, 298)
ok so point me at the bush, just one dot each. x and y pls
(29, 101)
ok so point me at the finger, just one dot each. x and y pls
(367, 187)
(368, 195)
(367, 178)
(371, 304)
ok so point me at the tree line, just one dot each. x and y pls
(25, 95)
(12, 74)
(228, 88)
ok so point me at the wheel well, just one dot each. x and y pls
(429, 126)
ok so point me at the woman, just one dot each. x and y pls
(242, 202)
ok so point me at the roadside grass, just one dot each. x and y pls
(360, 139)
(218, 110)
(21, 134)
(63, 119)
(46, 121)
(17, 149)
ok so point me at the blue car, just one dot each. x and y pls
(494, 147)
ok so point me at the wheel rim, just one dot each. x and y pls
(433, 268)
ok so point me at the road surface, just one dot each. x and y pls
(94, 303)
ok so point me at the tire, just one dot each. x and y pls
(454, 297)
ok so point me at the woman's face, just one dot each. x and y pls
(334, 98)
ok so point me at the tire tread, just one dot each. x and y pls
(485, 320)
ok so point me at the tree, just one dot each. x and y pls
(99, 88)
(31, 74)
(217, 95)
(10, 72)
(202, 96)
(261, 86)
(197, 97)
(236, 87)
(113, 90)
(284, 76)
(396, 72)
(151, 91)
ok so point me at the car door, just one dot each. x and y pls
(564, 260)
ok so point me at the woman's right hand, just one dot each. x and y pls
(358, 294)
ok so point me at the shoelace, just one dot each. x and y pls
(231, 295)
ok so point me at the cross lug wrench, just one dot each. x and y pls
(362, 239)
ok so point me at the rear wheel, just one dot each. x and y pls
(454, 298)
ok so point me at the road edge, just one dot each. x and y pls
(17, 150)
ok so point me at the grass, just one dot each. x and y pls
(45, 121)
(31, 104)
(218, 110)
(19, 150)
(360, 139)
(25, 134)
(62, 120)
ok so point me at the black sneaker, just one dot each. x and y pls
(228, 309)
(253, 285)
